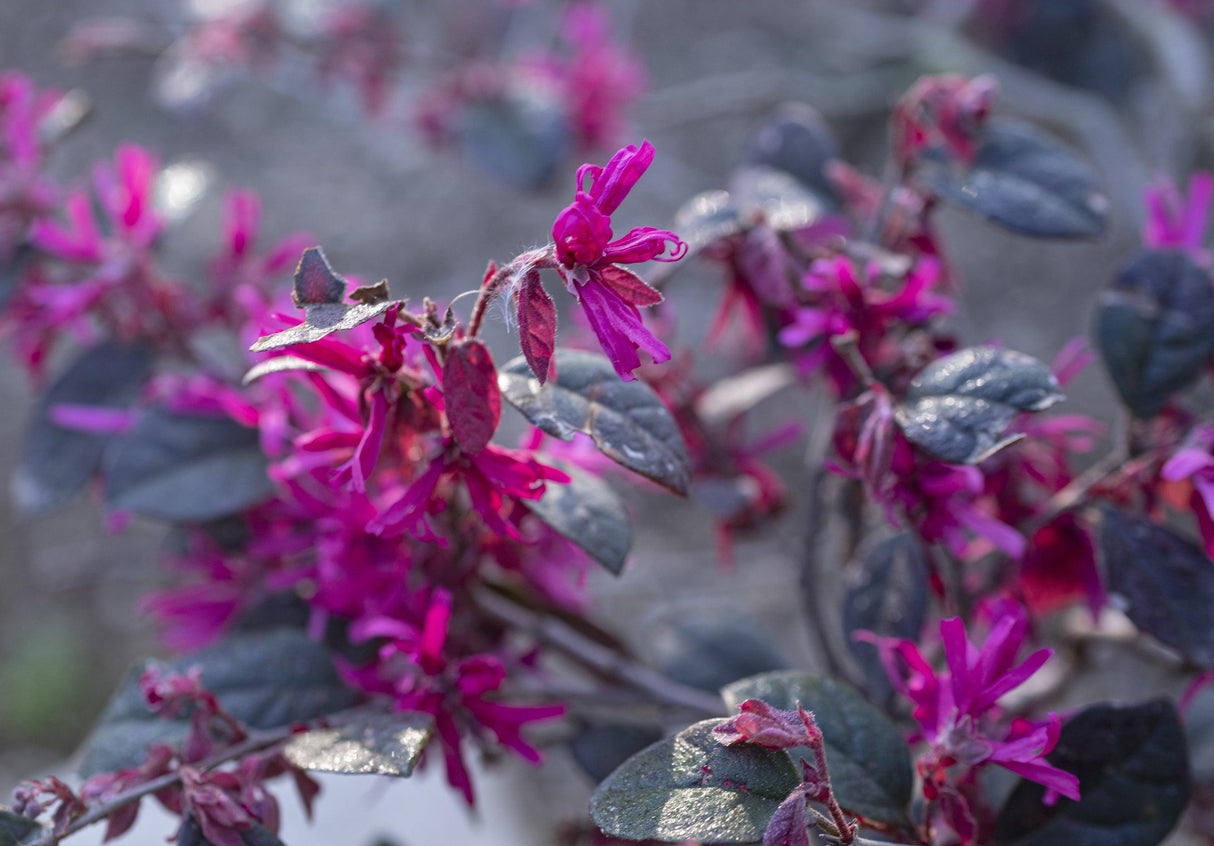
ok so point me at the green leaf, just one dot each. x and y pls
(371, 744)
(15, 828)
(690, 787)
(1133, 771)
(56, 462)
(958, 407)
(588, 513)
(267, 678)
(626, 420)
(195, 469)
(867, 756)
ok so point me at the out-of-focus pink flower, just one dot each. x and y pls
(238, 265)
(589, 258)
(248, 36)
(601, 79)
(1178, 221)
(362, 45)
(26, 194)
(102, 272)
(124, 193)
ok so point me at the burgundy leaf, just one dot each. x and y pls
(537, 325)
(789, 825)
(631, 288)
(120, 821)
(315, 281)
(761, 724)
(473, 400)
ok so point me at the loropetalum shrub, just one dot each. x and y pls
(370, 580)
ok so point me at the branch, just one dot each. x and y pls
(255, 742)
(99, 812)
(599, 658)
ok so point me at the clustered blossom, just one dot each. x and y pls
(957, 712)
(842, 299)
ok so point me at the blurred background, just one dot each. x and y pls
(361, 153)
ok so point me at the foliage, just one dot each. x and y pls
(375, 581)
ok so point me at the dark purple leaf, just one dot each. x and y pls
(765, 263)
(1166, 582)
(626, 420)
(321, 293)
(56, 462)
(797, 141)
(601, 748)
(1155, 328)
(12, 267)
(304, 685)
(536, 325)
(315, 281)
(776, 197)
(519, 139)
(710, 655)
(371, 744)
(186, 469)
(707, 218)
(588, 513)
(958, 407)
(1023, 180)
(886, 595)
(1133, 771)
(870, 766)
(15, 828)
(789, 825)
(470, 392)
(690, 787)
